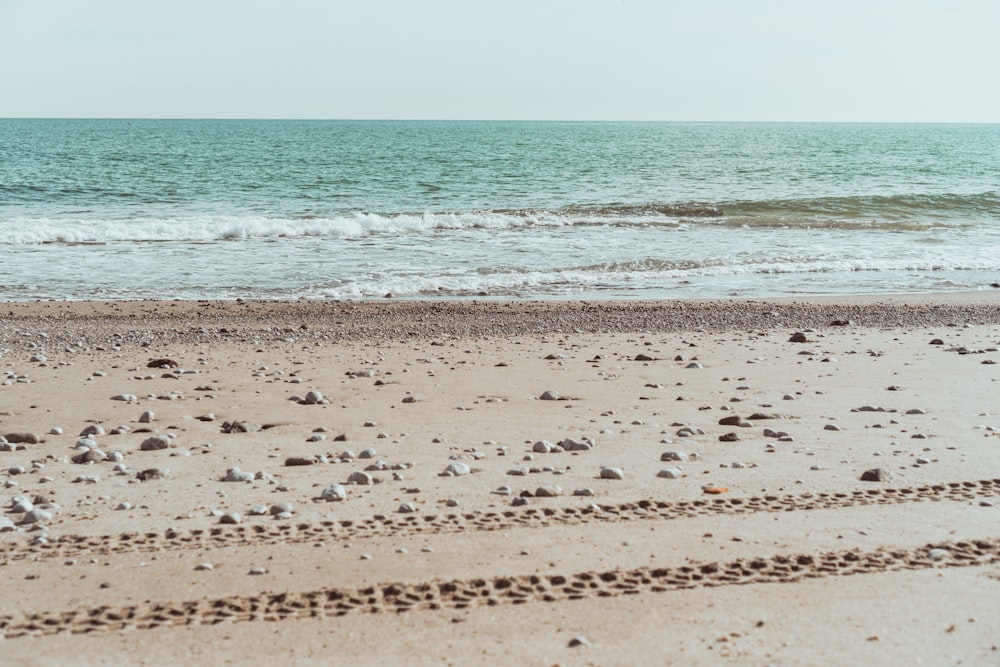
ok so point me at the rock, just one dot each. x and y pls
(409, 399)
(831, 427)
(256, 571)
(876, 475)
(502, 491)
(240, 427)
(300, 461)
(643, 357)
(798, 337)
(6, 525)
(670, 473)
(367, 454)
(281, 507)
(21, 504)
(124, 506)
(694, 365)
(204, 567)
(937, 341)
(550, 396)
(237, 475)
(146, 417)
(578, 641)
(916, 411)
(23, 438)
(333, 493)
(231, 517)
(361, 478)
(162, 363)
(314, 398)
(543, 447)
(612, 473)
(92, 429)
(152, 473)
(127, 398)
(731, 420)
(89, 456)
(407, 508)
(37, 516)
(548, 492)
(456, 469)
(571, 445)
(586, 492)
(154, 443)
(674, 456)
(729, 437)
(55, 430)
(938, 554)
(757, 416)
(258, 510)
(519, 502)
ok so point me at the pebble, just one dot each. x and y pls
(407, 508)
(548, 491)
(831, 427)
(456, 469)
(124, 506)
(21, 504)
(451, 502)
(204, 566)
(585, 492)
(938, 554)
(128, 398)
(237, 475)
(154, 443)
(6, 524)
(543, 447)
(876, 475)
(578, 641)
(670, 473)
(255, 571)
(502, 491)
(37, 516)
(55, 430)
(92, 429)
(258, 510)
(334, 492)
(146, 417)
(729, 437)
(23, 438)
(231, 517)
(612, 473)
(281, 507)
(367, 454)
(550, 396)
(361, 478)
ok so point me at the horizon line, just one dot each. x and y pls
(503, 120)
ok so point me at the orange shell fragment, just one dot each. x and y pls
(715, 489)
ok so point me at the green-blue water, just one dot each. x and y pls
(342, 209)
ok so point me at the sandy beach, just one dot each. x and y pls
(496, 482)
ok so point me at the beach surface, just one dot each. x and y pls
(496, 482)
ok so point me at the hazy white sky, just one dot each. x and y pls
(808, 60)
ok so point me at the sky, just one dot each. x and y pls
(670, 60)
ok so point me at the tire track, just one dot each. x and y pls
(67, 546)
(502, 590)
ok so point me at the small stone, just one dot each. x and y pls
(670, 473)
(152, 473)
(92, 429)
(6, 525)
(578, 641)
(124, 506)
(585, 493)
(21, 504)
(154, 443)
(798, 337)
(231, 517)
(729, 437)
(831, 427)
(502, 491)
(23, 438)
(258, 510)
(204, 566)
(550, 396)
(314, 398)
(407, 508)
(456, 469)
(612, 473)
(938, 554)
(361, 478)
(37, 516)
(237, 475)
(281, 507)
(548, 491)
(146, 417)
(334, 492)
(876, 475)
(367, 454)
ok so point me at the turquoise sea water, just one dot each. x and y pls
(345, 209)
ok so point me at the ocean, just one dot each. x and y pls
(270, 209)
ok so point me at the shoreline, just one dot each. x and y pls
(208, 321)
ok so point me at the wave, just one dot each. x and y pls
(890, 213)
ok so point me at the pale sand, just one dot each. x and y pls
(630, 569)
